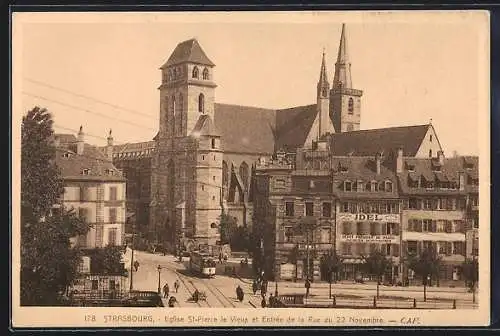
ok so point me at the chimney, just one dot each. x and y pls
(109, 148)
(399, 161)
(377, 162)
(80, 142)
(441, 157)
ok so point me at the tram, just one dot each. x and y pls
(202, 264)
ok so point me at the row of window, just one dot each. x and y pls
(360, 186)
(324, 236)
(428, 225)
(370, 228)
(357, 249)
(383, 207)
(83, 213)
(85, 194)
(443, 203)
(326, 209)
(441, 247)
(176, 73)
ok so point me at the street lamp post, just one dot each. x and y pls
(159, 279)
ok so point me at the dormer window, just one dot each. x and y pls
(374, 186)
(66, 154)
(206, 74)
(195, 72)
(360, 186)
(86, 171)
(347, 186)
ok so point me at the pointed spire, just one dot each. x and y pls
(323, 86)
(342, 76)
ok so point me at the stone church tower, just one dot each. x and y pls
(187, 167)
(345, 101)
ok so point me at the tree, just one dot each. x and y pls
(470, 271)
(227, 225)
(48, 261)
(240, 239)
(426, 264)
(377, 264)
(106, 260)
(330, 264)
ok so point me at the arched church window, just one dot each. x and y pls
(430, 153)
(324, 92)
(350, 106)
(174, 114)
(195, 72)
(205, 74)
(179, 113)
(244, 174)
(201, 103)
(225, 172)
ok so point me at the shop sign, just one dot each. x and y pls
(369, 238)
(369, 217)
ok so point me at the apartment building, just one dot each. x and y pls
(437, 196)
(94, 188)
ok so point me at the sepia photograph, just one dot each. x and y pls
(250, 169)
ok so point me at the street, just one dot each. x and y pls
(221, 290)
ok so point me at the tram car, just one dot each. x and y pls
(202, 264)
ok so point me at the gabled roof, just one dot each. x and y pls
(293, 126)
(188, 51)
(72, 164)
(449, 171)
(387, 140)
(205, 126)
(245, 129)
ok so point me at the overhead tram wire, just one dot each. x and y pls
(88, 97)
(86, 110)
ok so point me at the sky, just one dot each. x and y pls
(101, 70)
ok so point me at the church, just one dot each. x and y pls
(202, 161)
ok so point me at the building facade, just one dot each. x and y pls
(94, 188)
(389, 202)
(202, 161)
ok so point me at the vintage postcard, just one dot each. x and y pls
(249, 169)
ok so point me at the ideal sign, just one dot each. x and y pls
(369, 217)
(388, 239)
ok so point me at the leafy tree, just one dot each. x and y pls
(227, 225)
(240, 239)
(470, 271)
(377, 264)
(425, 265)
(330, 264)
(106, 260)
(48, 261)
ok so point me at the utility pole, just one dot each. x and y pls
(132, 261)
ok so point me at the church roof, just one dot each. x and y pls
(368, 142)
(246, 129)
(205, 126)
(188, 51)
(293, 126)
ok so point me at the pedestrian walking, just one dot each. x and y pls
(263, 289)
(136, 265)
(239, 293)
(176, 285)
(308, 286)
(263, 303)
(220, 258)
(254, 287)
(165, 290)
